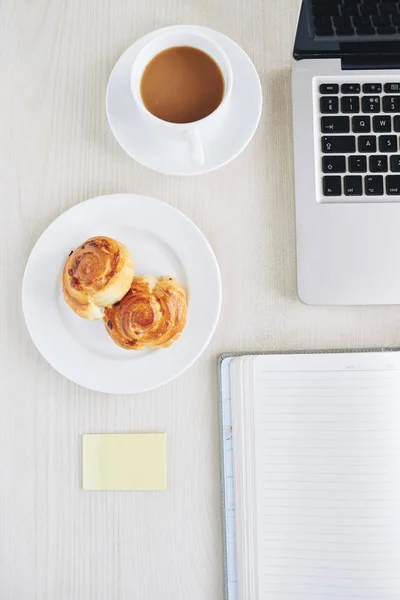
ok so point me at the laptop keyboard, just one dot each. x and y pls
(359, 129)
(356, 17)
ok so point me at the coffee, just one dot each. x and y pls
(181, 85)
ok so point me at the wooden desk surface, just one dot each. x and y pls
(57, 542)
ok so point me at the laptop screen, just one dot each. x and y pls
(331, 28)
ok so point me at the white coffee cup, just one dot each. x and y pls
(190, 131)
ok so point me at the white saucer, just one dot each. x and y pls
(171, 157)
(162, 241)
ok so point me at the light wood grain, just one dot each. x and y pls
(56, 150)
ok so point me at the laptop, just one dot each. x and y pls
(346, 115)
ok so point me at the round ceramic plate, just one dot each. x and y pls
(222, 143)
(162, 241)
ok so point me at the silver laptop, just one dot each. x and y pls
(346, 115)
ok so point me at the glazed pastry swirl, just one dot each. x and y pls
(96, 274)
(151, 315)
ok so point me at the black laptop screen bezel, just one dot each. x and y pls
(307, 45)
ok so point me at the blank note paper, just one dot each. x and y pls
(131, 461)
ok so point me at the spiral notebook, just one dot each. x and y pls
(311, 475)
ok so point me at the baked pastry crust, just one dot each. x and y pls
(151, 315)
(96, 274)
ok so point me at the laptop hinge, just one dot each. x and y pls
(385, 55)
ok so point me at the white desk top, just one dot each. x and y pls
(56, 150)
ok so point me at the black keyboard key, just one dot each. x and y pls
(391, 104)
(335, 124)
(378, 164)
(381, 21)
(343, 26)
(329, 88)
(332, 186)
(396, 123)
(392, 88)
(353, 185)
(372, 88)
(343, 23)
(328, 9)
(345, 32)
(319, 11)
(367, 143)
(371, 104)
(350, 10)
(396, 20)
(322, 21)
(369, 9)
(362, 22)
(357, 164)
(329, 104)
(333, 10)
(386, 30)
(350, 104)
(382, 124)
(388, 8)
(350, 88)
(373, 185)
(339, 144)
(334, 164)
(361, 124)
(395, 163)
(393, 185)
(324, 31)
(365, 30)
(387, 143)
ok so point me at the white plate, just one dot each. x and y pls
(162, 241)
(169, 156)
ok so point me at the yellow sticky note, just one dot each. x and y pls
(124, 461)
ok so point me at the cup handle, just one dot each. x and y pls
(196, 149)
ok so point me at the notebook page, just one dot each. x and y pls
(327, 476)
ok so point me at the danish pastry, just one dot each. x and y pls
(96, 274)
(151, 315)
